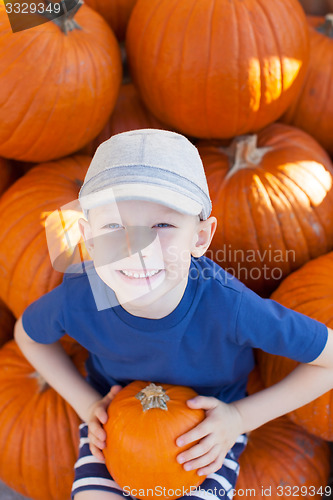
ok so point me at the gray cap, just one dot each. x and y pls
(150, 165)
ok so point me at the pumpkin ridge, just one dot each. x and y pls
(40, 136)
(252, 123)
(96, 87)
(24, 119)
(261, 245)
(284, 200)
(315, 212)
(297, 209)
(249, 205)
(142, 43)
(321, 113)
(209, 59)
(182, 109)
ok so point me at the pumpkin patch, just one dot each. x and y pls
(250, 83)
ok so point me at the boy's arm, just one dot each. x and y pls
(224, 422)
(52, 362)
(302, 385)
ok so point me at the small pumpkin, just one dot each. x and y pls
(38, 429)
(272, 194)
(312, 110)
(144, 421)
(59, 83)
(217, 69)
(26, 270)
(308, 291)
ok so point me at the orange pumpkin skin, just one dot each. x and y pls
(312, 110)
(57, 89)
(135, 436)
(309, 291)
(26, 271)
(116, 13)
(199, 69)
(281, 460)
(273, 202)
(129, 114)
(39, 430)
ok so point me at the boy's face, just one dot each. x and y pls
(142, 250)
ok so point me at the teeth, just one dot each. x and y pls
(148, 274)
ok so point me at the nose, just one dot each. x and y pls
(117, 245)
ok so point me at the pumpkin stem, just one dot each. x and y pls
(244, 153)
(65, 22)
(43, 385)
(326, 28)
(153, 396)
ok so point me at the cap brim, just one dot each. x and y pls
(144, 192)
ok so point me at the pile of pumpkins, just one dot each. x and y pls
(251, 84)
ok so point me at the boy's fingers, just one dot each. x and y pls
(201, 448)
(204, 402)
(199, 432)
(97, 453)
(95, 429)
(211, 468)
(101, 414)
(114, 390)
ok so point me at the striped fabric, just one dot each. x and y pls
(91, 474)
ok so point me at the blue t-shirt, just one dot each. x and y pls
(205, 342)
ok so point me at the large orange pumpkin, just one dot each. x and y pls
(38, 429)
(309, 291)
(26, 271)
(281, 461)
(115, 12)
(217, 69)
(57, 88)
(272, 194)
(143, 425)
(129, 114)
(312, 110)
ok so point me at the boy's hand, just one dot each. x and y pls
(98, 417)
(217, 434)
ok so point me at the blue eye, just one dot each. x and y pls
(163, 224)
(113, 226)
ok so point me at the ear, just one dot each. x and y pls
(204, 235)
(86, 233)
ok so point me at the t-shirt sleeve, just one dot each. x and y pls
(43, 319)
(266, 324)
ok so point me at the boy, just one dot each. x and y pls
(151, 307)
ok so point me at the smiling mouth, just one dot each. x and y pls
(141, 274)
